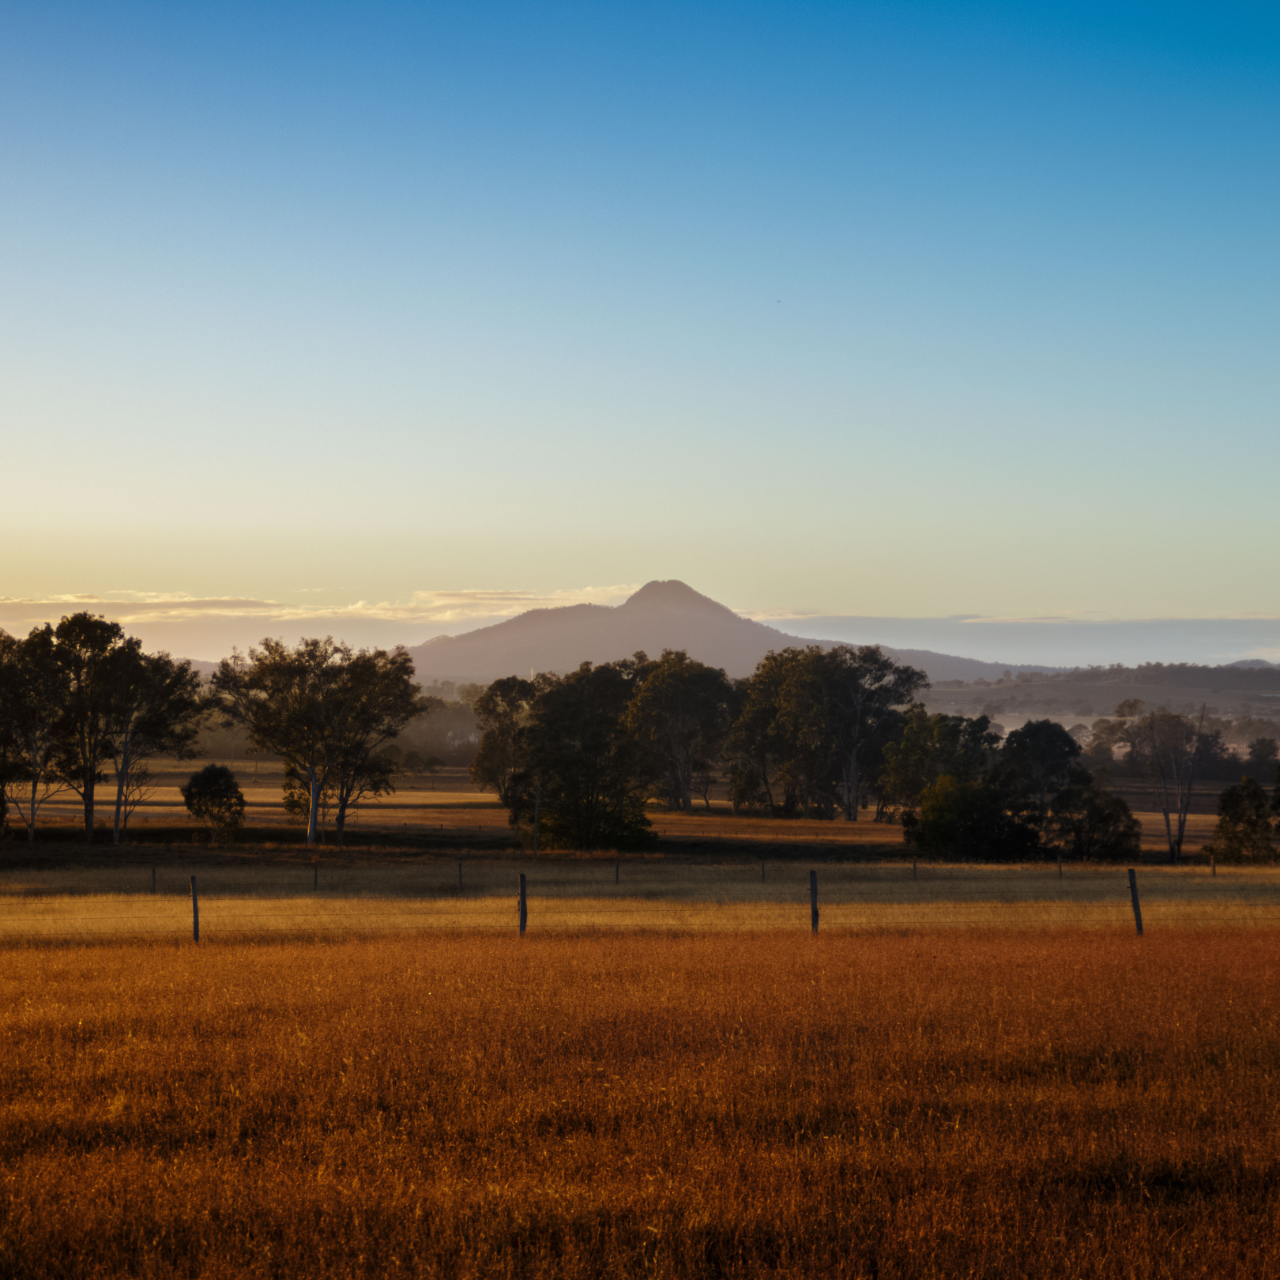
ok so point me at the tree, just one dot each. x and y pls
(1035, 764)
(155, 708)
(588, 775)
(1244, 830)
(92, 654)
(33, 694)
(927, 747)
(289, 701)
(680, 711)
(969, 820)
(1172, 748)
(324, 710)
(1263, 753)
(213, 796)
(1089, 823)
(501, 710)
(140, 785)
(833, 702)
(379, 698)
(757, 743)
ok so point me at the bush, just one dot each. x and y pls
(969, 820)
(1089, 823)
(214, 797)
(1244, 832)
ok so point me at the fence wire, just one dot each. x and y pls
(46, 917)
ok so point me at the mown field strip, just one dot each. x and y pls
(107, 917)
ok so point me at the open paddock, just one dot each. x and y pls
(977, 1102)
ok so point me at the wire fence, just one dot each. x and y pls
(500, 898)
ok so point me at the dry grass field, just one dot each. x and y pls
(1070, 1103)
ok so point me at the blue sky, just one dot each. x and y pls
(911, 310)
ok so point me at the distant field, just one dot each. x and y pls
(924, 1104)
(450, 810)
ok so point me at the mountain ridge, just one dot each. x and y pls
(660, 615)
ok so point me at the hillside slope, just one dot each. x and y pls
(661, 615)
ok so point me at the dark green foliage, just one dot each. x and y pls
(1263, 753)
(1035, 764)
(680, 712)
(213, 797)
(1088, 823)
(156, 708)
(579, 765)
(327, 711)
(927, 747)
(969, 820)
(1244, 832)
(501, 710)
(91, 653)
(813, 725)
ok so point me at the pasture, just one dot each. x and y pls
(917, 1102)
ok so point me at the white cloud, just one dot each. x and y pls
(430, 608)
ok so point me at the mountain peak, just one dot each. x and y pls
(672, 596)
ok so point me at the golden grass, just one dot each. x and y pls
(977, 1104)
(239, 901)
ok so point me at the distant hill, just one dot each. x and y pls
(661, 615)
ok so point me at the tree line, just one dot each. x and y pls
(817, 732)
(81, 696)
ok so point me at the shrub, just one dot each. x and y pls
(1090, 823)
(1244, 832)
(214, 797)
(969, 820)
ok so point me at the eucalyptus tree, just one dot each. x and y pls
(33, 692)
(502, 709)
(832, 706)
(156, 708)
(91, 652)
(322, 708)
(680, 711)
(583, 771)
(379, 699)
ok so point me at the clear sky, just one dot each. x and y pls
(899, 309)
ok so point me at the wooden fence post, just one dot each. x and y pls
(195, 911)
(813, 901)
(524, 906)
(1133, 893)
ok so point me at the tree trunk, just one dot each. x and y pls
(90, 782)
(340, 817)
(31, 811)
(314, 815)
(851, 789)
(122, 779)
